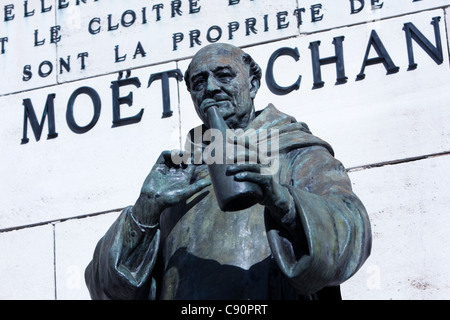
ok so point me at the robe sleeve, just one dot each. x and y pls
(123, 261)
(332, 236)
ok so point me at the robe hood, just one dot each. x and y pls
(291, 133)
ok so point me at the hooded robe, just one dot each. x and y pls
(201, 252)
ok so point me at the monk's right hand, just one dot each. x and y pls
(167, 184)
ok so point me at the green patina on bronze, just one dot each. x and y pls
(307, 233)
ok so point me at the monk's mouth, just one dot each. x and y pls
(228, 116)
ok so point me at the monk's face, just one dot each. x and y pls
(219, 76)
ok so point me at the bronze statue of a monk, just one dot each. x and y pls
(307, 233)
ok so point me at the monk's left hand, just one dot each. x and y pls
(246, 166)
(275, 196)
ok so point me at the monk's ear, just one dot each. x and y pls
(254, 86)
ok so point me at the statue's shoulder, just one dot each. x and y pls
(285, 119)
(293, 134)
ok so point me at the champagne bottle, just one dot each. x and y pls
(231, 195)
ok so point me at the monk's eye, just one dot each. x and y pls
(199, 83)
(224, 76)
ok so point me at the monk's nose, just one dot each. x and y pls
(212, 88)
